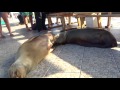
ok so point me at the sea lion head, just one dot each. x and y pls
(60, 38)
(50, 37)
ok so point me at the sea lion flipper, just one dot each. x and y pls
(51, 50)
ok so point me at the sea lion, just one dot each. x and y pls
(29, 54)
(88, 37)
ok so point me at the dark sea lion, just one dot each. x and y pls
(29, 54)
(86, 37)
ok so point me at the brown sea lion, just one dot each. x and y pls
(30, 54)
(86, 37)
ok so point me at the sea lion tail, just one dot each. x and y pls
(17, 71)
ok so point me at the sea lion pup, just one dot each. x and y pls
(30, 54)
(86, 37)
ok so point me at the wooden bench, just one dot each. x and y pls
(60, 15)
(81, 17)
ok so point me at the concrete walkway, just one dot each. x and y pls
(67, 61)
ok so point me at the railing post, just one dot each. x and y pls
(99, 19)
(109, 20)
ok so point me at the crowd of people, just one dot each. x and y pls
(39, 17)
(23, 18)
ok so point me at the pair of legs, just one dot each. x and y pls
(4, 15)
(40, 21)
(20, 18)
(25, 18)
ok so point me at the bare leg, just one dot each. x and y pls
(31, 21)
(26, 22)
(1, 35)
(5, 18)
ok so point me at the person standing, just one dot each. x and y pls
(40, 21)
(4, 15)
(25, 18)
(20, 18)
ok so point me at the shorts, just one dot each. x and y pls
(26, 13)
